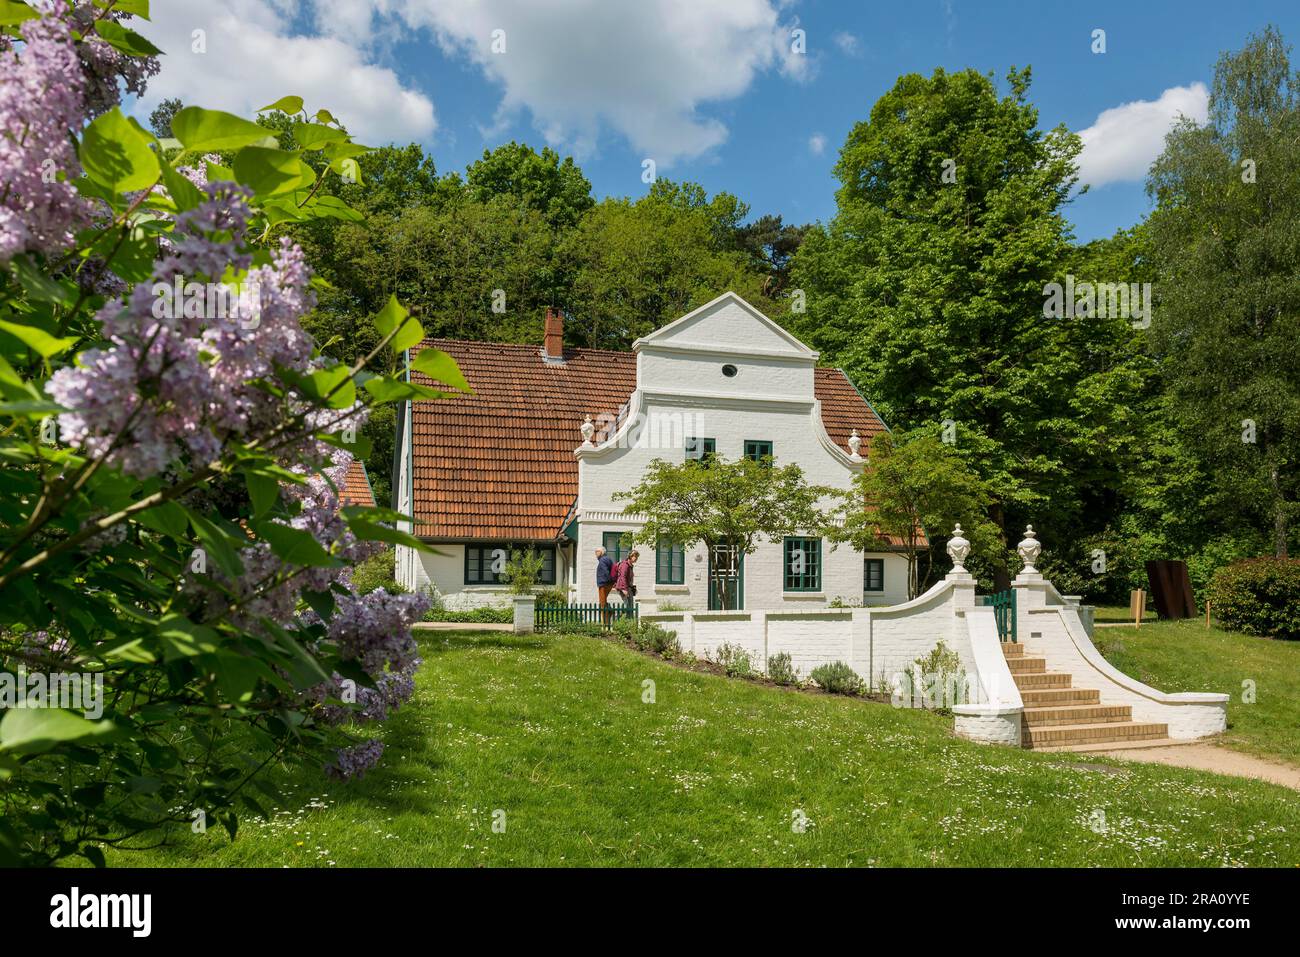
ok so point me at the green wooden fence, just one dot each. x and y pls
(547, 617)
(1004, 610)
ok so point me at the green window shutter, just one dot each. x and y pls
(547, 574)
(480, 559)
(614, 548)
(803, 564)
(700, 449)
(670, 564)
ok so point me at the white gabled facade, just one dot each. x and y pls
(725, 373)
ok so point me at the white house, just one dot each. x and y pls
(534, 456)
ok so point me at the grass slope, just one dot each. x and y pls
(1187, 656)
(554, 731)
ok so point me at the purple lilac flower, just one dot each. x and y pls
(175, 380)
(42, 98)
(42, 642)
(355, 761)
(103, 66)
(375, 629)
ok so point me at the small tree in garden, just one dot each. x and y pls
(522, 570)
(171, 446)
(728, 506)
(910, 486)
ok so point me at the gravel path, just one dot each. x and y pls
(1210, 757)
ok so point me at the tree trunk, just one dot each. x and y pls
(1001, 577)
(1279, 515)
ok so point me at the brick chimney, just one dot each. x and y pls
(553, 343)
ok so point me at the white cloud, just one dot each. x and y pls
(642, 69)
(254, 58)
(817, 144)
(1126, 139)
(847, 43)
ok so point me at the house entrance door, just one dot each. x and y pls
(726, 575)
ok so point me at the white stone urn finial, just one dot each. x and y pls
(958, 549)
(855, 446)
(1029, 550)
(588, 429)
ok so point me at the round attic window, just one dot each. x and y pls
(729, 371)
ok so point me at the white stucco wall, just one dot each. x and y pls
(682, 393)
(446, 572)
(878, 643)
(842, 575)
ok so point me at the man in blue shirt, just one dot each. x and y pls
(604, 576)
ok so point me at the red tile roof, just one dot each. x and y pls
(499, 464)
(356, 486)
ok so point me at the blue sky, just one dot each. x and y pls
(709, 89)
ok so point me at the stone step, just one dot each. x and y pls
(1043, 679)
(1064, 735)
(1012, 649)
(1077, 714)
(1129, 745)
(1049, 697)
(1024, 665)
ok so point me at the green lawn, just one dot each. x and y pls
(553, 731)
(1186, 656)
(1120, 613)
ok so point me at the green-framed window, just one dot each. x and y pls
(670, 564)
(758, 449)
(873, 574)
(803, 564)
(700, 449)
(615, 546)
(485, 562)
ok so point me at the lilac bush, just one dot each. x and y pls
(172, 452)
(42, 97)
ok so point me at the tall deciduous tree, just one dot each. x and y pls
(634, 266)
(928, 289)
(541, 181)
(911, 488)
(727, 506)
(1228, 250)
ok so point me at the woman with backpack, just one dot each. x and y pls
(624, 578)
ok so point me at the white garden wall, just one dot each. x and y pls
(1050, 627)
(882, 644)
(876, 642)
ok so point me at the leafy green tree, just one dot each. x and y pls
(727, 506)
(911, 488)
(771, 245)
(928, 289)
(540, 181)
(522, 569)
(1228, 254)
(160, 119)
(634, 266)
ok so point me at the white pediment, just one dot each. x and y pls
(727, 323)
